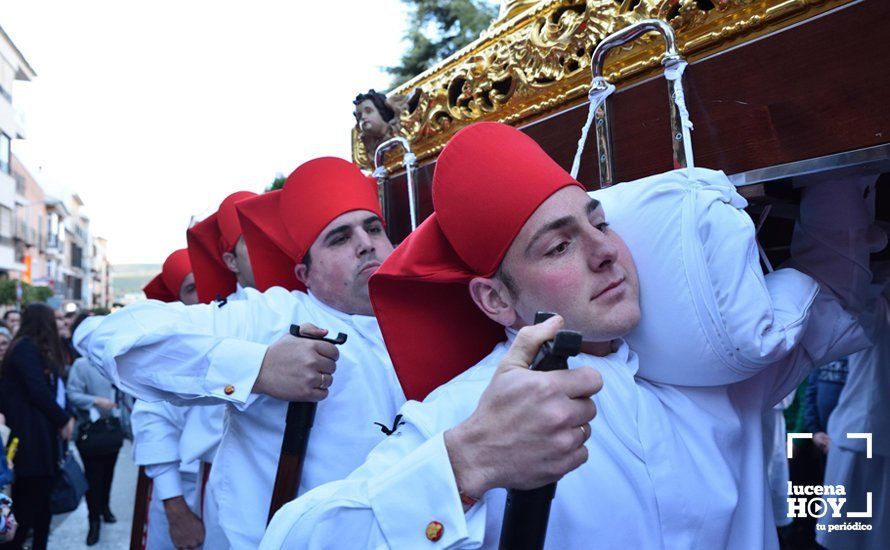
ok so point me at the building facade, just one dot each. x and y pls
(13, 67)
(100, 269)
(30, 229)
(44, 240)
(76, 265)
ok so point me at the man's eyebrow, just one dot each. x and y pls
(592, 205)
(336, 232)
(552, 226)
(371, 219)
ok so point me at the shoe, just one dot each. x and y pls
(108, 517)
(93, 535)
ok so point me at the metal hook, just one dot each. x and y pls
(409, 161)
(679, 133)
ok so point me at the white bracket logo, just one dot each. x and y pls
(820, 512)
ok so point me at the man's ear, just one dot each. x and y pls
(301, 271)
(494, 300)
(229, 259)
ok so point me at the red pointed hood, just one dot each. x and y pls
(489, 180)
(165, 286)
(279, 227)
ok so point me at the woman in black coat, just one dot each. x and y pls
(30, 395)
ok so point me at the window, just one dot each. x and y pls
(5, 226)
(76, 256)
(7, 77)
(4, 152)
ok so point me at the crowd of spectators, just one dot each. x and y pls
(49, 397)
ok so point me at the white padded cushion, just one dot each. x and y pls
(709, 316)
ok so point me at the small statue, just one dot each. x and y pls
(377, 119)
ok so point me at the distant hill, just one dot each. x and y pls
(130, 278)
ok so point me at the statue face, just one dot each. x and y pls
(368, 119)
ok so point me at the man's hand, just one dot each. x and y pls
(293, 367)
(822, 441)
(186, 529)
(104, 404)
(66, 430)
(530, 427)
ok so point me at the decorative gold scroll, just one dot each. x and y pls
(535, 60)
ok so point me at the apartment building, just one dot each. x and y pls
(13, 67)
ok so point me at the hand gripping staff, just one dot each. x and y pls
(527, 512)
(300, 416)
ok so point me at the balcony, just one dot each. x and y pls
(11, 121)
(25, 233)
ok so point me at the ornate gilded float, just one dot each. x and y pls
(774, 88)
(535, 58)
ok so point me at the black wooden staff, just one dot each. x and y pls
(298, 425)
(528, 511)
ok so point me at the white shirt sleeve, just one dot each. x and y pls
(157, 430)
(831, 243)
(406, 483)
(201, 354)
(166, 479)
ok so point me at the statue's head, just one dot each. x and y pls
(373, 115)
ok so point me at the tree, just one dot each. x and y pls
(30, 294)
(7, 292)
(437, 29)
(277, 183)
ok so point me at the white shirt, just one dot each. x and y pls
(862, 404)
(197, 351)
(157, 432)
(170, 439)
(669, 467)
(204, 424)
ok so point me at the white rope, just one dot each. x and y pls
(673, 72)
(597, 97)
(764, 258)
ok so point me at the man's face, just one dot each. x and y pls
(344, 255)
(61, 324)
(188, 292)
(13, 320)
(566, 260)
(238, 262)
(369, 120)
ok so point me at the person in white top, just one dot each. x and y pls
(179, 442)
(862, 466)
(660, 466)
(174, 510)
(321, 236)
(221, 265)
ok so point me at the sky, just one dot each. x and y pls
(154, 112)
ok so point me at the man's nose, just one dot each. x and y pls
(364, 243)
(603, 250)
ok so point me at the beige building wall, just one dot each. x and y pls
(13, 67)
(30, 226)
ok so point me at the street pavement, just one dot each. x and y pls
(69, 531)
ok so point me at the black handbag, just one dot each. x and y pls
(102, 437)
(69, 487)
